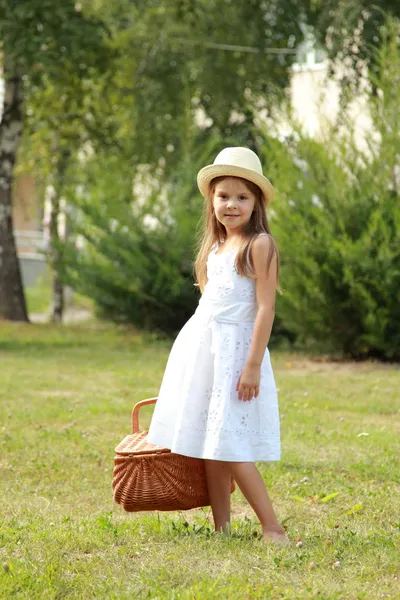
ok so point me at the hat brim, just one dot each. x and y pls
(207, 174)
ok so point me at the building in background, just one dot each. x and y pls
(315, 98)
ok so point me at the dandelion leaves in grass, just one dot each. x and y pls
(355, 509)
(330, 497)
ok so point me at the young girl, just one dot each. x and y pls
(218, 399)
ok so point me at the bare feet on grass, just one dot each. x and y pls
(277, 537)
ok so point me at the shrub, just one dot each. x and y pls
(136, 261)
(337, 222)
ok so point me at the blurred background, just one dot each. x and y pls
(110, 109)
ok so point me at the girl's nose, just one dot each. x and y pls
(231, 202)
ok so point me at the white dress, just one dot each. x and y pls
(198, 412)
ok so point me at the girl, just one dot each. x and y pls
(218, 399)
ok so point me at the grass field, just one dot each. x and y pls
(65, 401)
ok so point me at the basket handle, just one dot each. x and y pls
(135, 412)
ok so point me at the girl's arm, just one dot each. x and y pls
(249, 382)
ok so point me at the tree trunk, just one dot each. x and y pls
(56, 252)
(12, 299)
(58, 289)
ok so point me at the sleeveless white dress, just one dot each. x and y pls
(198, 412)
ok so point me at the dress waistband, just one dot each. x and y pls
(216, 324)
(238, 312)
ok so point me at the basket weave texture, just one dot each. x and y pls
(150, 477)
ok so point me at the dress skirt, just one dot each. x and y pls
(198, 412)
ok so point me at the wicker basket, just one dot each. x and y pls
(151, 477)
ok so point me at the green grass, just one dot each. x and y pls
(38, 296)
(65, 400)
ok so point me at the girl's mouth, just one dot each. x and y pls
(231, 216)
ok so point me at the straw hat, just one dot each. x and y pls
(236, 162)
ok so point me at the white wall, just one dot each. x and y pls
(315, 101)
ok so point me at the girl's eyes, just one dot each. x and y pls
(223, 197)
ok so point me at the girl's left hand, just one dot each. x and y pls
(248, 384)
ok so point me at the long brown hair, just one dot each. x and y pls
(213, 232)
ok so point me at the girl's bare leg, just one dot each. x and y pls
(253, 488)
(219, 489)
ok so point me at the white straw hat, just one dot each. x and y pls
(236, 162)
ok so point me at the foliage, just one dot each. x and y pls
(95, 73)
(48, 52)
(338, 224)
(350, 32)
(45, 39)
(203, 61)
(136, 260)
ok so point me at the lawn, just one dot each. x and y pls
(66, 395)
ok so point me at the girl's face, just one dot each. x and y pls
(233, 204)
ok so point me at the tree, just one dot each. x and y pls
(59, 130)
(12, 301)
(199, 59)
(59, 37)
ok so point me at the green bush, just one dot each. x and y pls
(136, 262)
(337, 222)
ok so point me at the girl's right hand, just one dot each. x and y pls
(248, 384)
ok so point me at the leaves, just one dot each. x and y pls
(43, 38)
(355, 509)
(330, 497)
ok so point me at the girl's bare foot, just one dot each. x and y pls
(276, 537)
